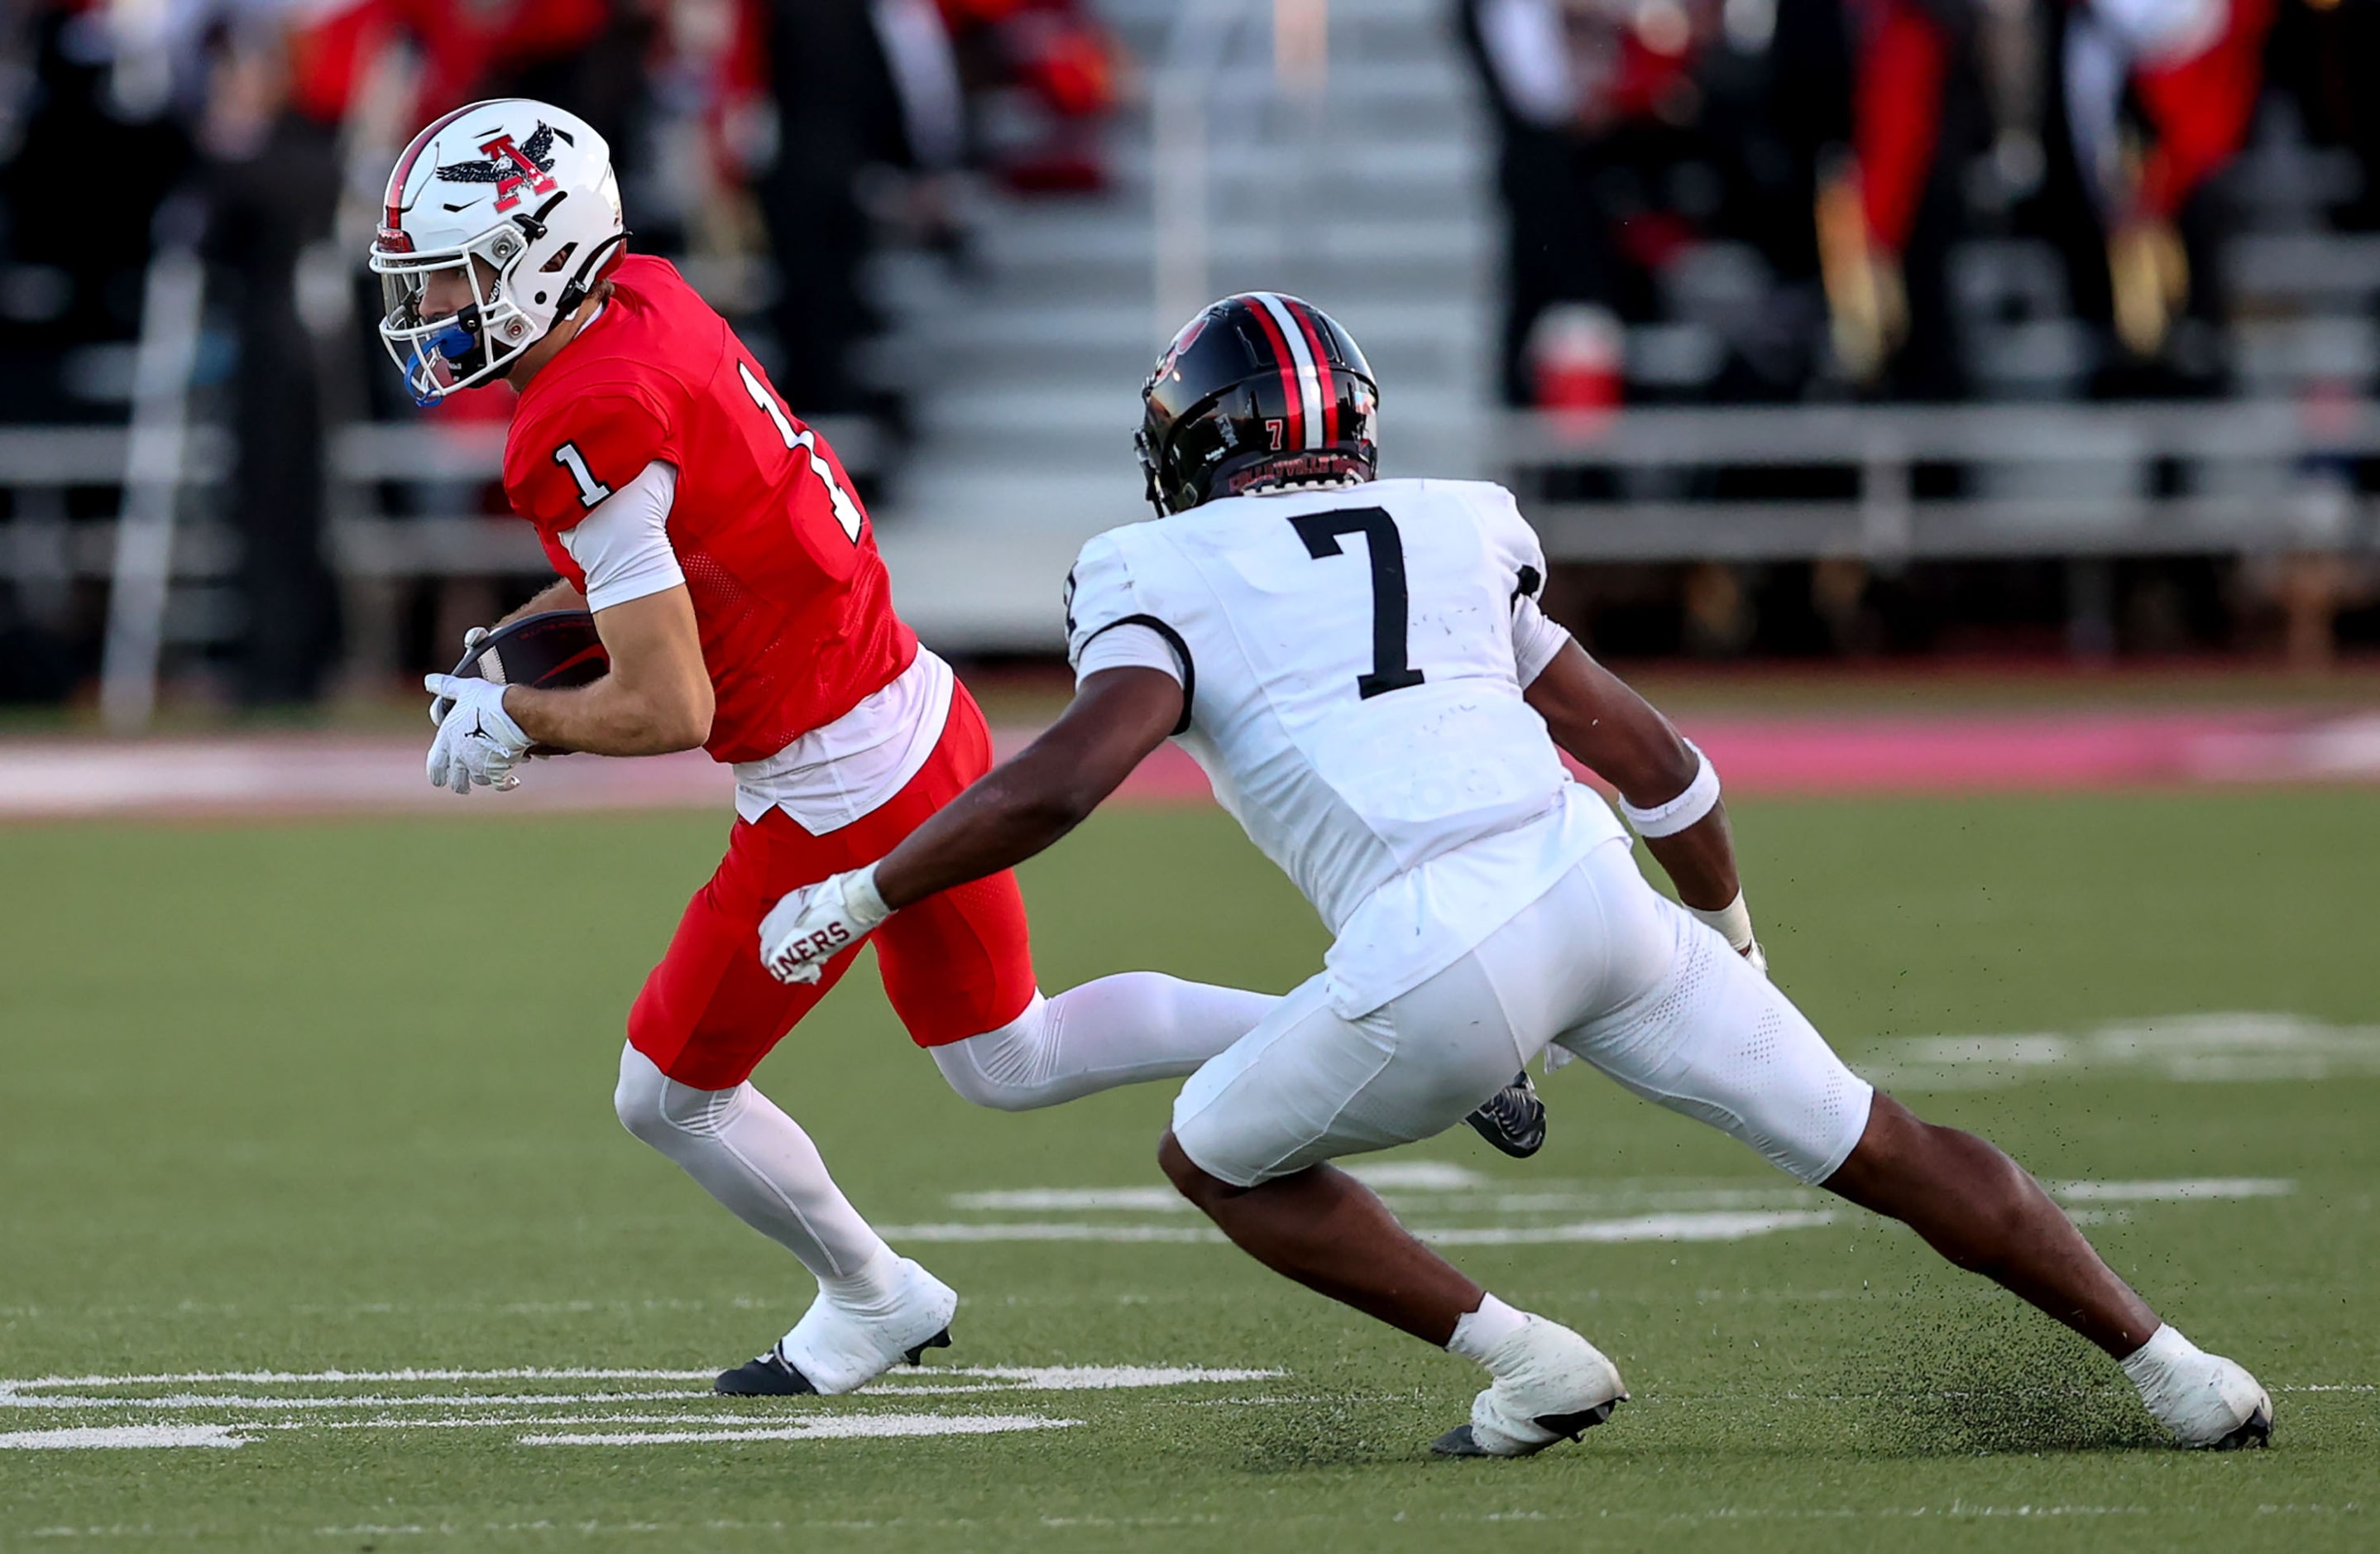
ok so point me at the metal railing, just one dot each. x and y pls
(157, 544)
(48, 461)
(1273, 55)
(2106, 479)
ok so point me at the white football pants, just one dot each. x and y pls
(757, 1160)
(1602, 964)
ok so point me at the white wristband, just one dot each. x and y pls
(1733, 922)
(861, 898)
(1668, 819)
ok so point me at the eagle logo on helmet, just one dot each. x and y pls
(1182, 343)
(510, 167)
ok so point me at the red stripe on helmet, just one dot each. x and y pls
(1294, 434)
(1303, 313)
(395, 220)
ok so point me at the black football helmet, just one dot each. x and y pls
(1259, 392)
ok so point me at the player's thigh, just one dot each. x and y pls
(710, 1012)
(959, 963)
(1309, 1085)
(1715, 1039)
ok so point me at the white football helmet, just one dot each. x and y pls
(518, 199)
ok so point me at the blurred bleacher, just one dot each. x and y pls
(1345, 152)
(1357, 179)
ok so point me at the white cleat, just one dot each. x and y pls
(2211, 1404)
(832, 1350)
(1550, 1385)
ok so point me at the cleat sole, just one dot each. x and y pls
(1460, 1442)
(1570, 1426)
(940, 1341)
(1517, 1129)
(2253, 1435)
(757, 1380)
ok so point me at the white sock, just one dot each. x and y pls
(1478, 1335)
(872, 1290)
(751, 1157)
(2149, 1366)
(1124, 1029)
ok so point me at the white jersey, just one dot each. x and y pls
(1352, 688)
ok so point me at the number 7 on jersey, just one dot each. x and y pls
(1390, 670)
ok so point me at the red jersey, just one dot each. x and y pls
(792, 600)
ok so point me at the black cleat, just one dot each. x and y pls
(1460, 1442)
(770, 1375)
(2257, 1431)
(773, 1375)
(1513, 1119)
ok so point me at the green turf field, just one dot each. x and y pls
(329, 1097)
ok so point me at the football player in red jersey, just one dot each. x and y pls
(735, 585)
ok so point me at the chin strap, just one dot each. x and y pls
(576, 291)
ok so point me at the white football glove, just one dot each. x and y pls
(438, 704)
(813, 925)
(477, 743)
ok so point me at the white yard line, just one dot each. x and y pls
(849, 1426)
(311, 1378)
(1050, 1229)
(2232, 1047)
(2177, 1190)
(185, 1401)
(1075, 1378)
(1643, 1227)
(800, 1419)
(1712, 1226)
(1049, 1377)
(117, 1436)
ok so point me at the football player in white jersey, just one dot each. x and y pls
(1362, 669)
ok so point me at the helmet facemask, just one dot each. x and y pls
(442, 353)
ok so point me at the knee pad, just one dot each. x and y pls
(1003, 1069)
(637, 1099)
(661, 1111)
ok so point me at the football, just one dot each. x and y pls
(551, 650)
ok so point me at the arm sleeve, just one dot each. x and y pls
(623, 545)
(1536, 640)
(1129, 644)
(1520, 560)
(1104, 601)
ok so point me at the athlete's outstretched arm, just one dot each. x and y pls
(656, 698)
(1020, 808)
(1623, 739)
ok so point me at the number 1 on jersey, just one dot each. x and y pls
(590, 489)
(1390, 672)
(846, 511)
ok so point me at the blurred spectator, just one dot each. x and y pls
(270, 177)
(1655, 158)
(1044, 75)
(2322, 54)
(859, 85)
(1595, 106)
(2159, 95)
(90, 98)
